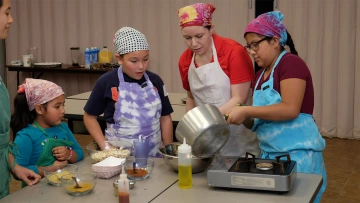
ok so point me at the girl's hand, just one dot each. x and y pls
(61, 153)
(237, 115)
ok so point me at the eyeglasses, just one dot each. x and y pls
(255, 45)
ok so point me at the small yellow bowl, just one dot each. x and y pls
(85, 180)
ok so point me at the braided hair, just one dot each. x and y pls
(290, 44)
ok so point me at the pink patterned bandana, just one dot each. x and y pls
(268, 24)
(39, 91)
(199, 14)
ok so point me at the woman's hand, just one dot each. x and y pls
(61, 153)
(237, 115)
(27, 175)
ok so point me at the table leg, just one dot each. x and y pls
(18, 78)
(71, 124)
(38, 76)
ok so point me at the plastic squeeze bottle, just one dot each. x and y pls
(184, 165)
(123, 186)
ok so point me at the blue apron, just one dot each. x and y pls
(298, 137)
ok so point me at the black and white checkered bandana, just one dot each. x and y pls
(128, 40)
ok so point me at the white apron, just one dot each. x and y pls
(210, 85)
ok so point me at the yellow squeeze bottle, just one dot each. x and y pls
(184, 165)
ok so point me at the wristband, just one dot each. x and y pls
(70, 153)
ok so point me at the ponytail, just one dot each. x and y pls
(21, 117)
(290, 44)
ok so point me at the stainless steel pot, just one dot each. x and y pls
(205, 129)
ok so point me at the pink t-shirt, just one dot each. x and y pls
(291, 66)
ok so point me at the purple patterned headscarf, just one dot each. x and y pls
(270, 25)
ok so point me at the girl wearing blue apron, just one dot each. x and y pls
(280, 123)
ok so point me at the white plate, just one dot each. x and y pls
(47, 64)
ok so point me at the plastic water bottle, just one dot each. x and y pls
(95, 55)
(184, 165)
(87, 58)
(92, 54)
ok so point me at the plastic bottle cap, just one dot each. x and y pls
(123, 175)
(184, 148)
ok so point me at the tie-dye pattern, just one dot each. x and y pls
(199, 14)
(137, 112)
(298, 137)
(270, 25)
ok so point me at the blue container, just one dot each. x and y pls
(95, 52)
(87, 58)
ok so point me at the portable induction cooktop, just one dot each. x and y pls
(253, 173)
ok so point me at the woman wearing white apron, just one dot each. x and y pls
(134, 101)
(283, 99)
(215, 70)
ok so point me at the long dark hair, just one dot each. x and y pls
(1, 3)
(22, 116)
(290, 44)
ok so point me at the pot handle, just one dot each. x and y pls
(226, 116)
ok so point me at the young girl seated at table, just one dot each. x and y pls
(41, 136)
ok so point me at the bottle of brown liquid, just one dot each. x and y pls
(123, 186)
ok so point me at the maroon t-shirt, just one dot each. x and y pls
(291, 66)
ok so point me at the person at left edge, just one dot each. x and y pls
(133, 100)
(7, 154)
